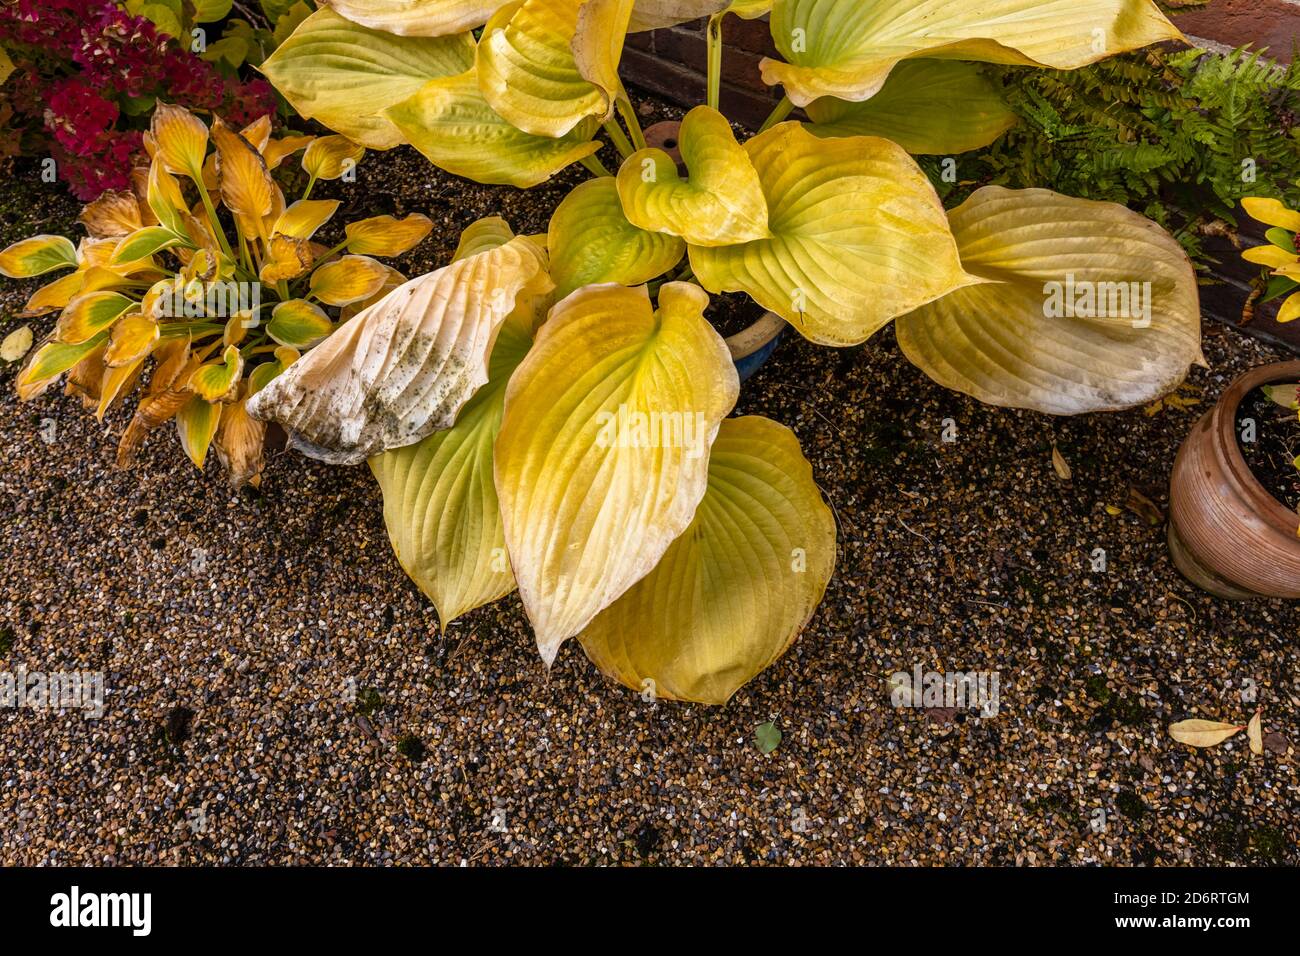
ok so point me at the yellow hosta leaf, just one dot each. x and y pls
(180, 140)
(1290, 310)
(196, 425)
(50, 361)
(54, 295)
(721, 204)
(1088, 306)
(86, 378)
(117, 381)
(89, 314)
(1271, 212)
(115, 213)
(303, 218)
(483, 235)
(348, 279)
(844, 49)
(165, 199)
(240, 445)
(527, 71)
(386, 236)
(593, 489)
(258, 133)
(299, 323)
(404, 367)
(858, 237)
(937, 107)
(287, 258)
(452, 125)
(329, 157)
(418, 18)
(345, 75)
(246, 185)
(143, 243)
(16, 344)
(654, 14)
(262, 376)
(37, 256)
(1288, 396)
(391, 282)
(440, 502)
(1203, 733)
(278, 150)
(733, 591)
(134, 337)
(216, 382)
(590, 241)
(1270, 256)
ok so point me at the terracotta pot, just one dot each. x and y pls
(1227, 535)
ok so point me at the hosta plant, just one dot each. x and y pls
(550, 412)
(205, 276)
(1279, 254)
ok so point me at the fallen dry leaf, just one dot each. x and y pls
(16, 344)
(1143, 507)
(1275, 743)
(1061, 465)
(1255, 731)
(1203, 733)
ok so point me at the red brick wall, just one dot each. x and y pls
(672, 62)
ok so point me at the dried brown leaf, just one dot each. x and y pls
(1203, 733)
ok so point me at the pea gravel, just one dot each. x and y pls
(279, 693)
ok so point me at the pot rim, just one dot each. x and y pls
(754, 336)
(1268, 507)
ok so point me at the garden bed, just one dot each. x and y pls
(273, 673)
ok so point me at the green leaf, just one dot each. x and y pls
(452, 125)
(346, 75)
(767, 737)
(935, 107)
(590, 241)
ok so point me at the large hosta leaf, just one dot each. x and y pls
(593, 490)
(926, 106)
(440, 503)
(346, 75)
(418, 18)
(528, 66)
(845, 48)
(403, 367)
(732, 593)
(721, 204)
(452, 125)
(653, 14)
(1063, 326)
(591, 241)
(858, 236)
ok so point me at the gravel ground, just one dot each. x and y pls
(278, 692)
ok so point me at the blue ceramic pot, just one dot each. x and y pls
(752, 347)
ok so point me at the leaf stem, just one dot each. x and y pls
(782, 110)
(714, 33)
(630, 119)
(594, 166)
(619, 138)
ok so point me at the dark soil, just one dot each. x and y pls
(1273, 454)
